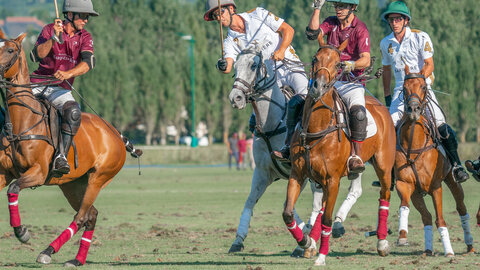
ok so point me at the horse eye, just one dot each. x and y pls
(10, 50)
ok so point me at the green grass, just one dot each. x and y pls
(186, 219)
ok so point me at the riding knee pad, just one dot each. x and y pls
(294, 108)
(358, 122)
(71, 117)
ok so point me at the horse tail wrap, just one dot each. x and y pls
(136, 153)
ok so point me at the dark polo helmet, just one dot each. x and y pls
(212, 5)
(79, 6)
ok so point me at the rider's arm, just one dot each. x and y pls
(428, 67)
(363, 61)
(78, 70)
(314, 22)
(287, 32)
(229, 65)
(386, 79)
(44, 49)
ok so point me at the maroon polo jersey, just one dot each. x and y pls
(357, 33)
(62, 56)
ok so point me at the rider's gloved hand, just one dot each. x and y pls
(388, 100)
(318, 4)
(348, 66)
(221, 64)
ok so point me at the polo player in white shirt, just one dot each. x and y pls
(414, 48)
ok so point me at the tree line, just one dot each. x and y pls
(142, 75)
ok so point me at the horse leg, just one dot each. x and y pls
(384, 175)
(458, 195)
(354, 192)
(31, 178)
(478, 216)
(419, 203)
(440, 222)
(326, 224)
(404, 191)
(260, 182)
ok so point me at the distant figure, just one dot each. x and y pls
(251, 160)
(242, 150)
(232, 145)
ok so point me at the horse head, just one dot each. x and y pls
(325, 66)
(10, 51)
(252, 76)
(414, 94)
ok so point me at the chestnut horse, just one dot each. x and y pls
(474, 168)
(320, 150)
(26, 153)
(421, 166)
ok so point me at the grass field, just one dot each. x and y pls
(185, 218)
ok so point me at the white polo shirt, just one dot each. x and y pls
(261, 26)
(416, 46)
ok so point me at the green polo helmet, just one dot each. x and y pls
(397, 7)
(353, 2)
(79, 6)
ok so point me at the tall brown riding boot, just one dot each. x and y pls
(355, 163)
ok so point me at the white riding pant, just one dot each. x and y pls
(56, 95)
(397, 107)
(351, 93)
(297, 80)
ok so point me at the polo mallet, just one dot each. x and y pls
(373, 233)
(58, 39)
(220, 22)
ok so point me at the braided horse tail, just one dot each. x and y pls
(136, 153)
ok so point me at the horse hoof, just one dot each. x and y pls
(236, 248)
(428, 252)
(320, 260)
(22, 233)
(297, 252)
(449, 255)
(44, 259)
(383, 248)
(309, 253)
(402, 242)
(338, 230)
(72, 263)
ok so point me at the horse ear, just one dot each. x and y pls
(407, 69)
(343, 45)
(20, 38)
(321, 42)
(2, 35)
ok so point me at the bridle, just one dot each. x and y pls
(315, 70)
(12, 61)
(414, 97)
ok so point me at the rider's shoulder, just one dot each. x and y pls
(258, 12)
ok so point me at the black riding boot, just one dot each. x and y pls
(295, 107)
(60, 165)
(449, 141)
(358, 128)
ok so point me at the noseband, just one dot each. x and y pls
(12, 61)
(254, 88)
(414, 96)
(337, 67)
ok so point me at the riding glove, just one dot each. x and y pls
(388, 100)
(221, 64)
(349, 66)
(318, 4)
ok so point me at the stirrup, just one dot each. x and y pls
(60, 164)
(354, 174)
(282, 154)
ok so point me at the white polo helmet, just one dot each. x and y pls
(79, 6)
(212, 5)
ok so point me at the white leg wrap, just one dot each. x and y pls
(316, 204)
(447, 246)
(428, 232)
(298, 220)
(242, 230)
(354, 192)
(403, 218)
(320, 260)
(467, 235)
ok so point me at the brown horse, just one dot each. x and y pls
(26, 153)
(320, 152)
(421, 167)
(474, 168)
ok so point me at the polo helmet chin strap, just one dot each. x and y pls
(71, 21)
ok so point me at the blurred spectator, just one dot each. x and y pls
(232, 145)
(251, 161)
(242, 150)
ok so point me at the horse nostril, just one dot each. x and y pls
(238, 98)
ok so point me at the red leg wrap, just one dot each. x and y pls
(382, 219)
(84, 246)
(324, 243)
(13, 208)
(295, 231)
(317, 226)
(64, 236)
